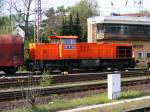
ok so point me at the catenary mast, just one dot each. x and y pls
(38, 18)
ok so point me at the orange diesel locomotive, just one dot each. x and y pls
(64, 53)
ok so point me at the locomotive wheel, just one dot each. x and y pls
(10, 71)
(30, 66)
(121, 68)
(70, 70)
(62, 69)
(49, 70)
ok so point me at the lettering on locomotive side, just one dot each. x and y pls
(69, 47)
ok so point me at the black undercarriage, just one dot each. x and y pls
(69, 64)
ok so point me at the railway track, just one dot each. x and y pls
(13, 94)
(32, 80)
(144, 109)
(25, 73)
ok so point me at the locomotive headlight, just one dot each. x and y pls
(32, 45)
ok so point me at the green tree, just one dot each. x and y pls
(70, 27)
(67, 26)
(23, 11)
(63, 27)
(5, 27)
(71, 21)
(61, 10)
(53, 22)
(78, 28)
(85, 9)
(4, 20)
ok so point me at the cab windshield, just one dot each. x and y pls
(63, 41)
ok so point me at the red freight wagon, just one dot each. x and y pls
(64, 53)
(11, 53)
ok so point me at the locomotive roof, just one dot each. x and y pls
(119, 20)
(63, 37)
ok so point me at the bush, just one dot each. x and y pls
(62, 104)
(131, 94)
(46, 79)
(22, 68)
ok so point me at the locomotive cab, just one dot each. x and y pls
(63, 39)
(67, 46)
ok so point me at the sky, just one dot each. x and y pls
(105, 6)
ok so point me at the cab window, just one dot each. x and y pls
(68, 41)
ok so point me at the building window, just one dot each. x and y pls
(148, 64)
(140, 55)
(148, 55)
(138, 46)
